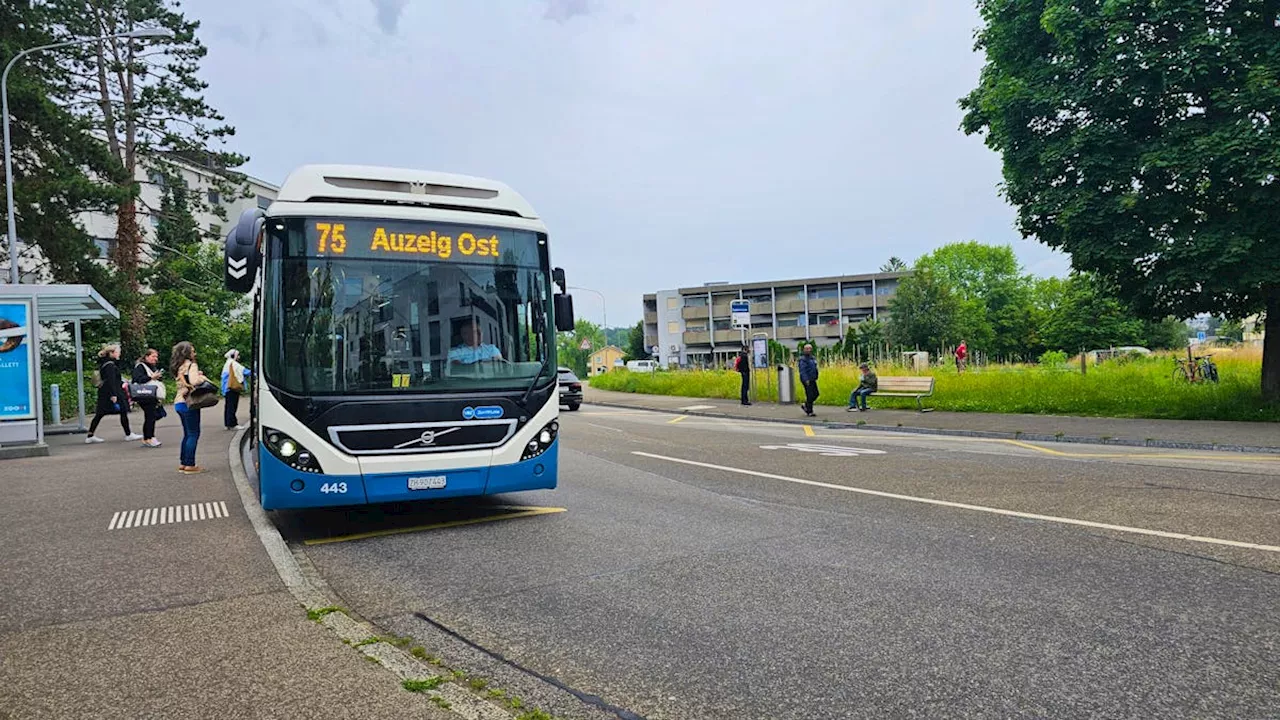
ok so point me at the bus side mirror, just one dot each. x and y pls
(557, 276)
(564, 313)
(243, 250)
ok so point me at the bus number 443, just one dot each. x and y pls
(333, 488)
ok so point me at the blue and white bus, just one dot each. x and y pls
(404, 326)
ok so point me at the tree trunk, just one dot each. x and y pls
(133, 320)
(1271, 349)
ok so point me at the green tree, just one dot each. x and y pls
(1233, 329)
(1141, 137)
(924, 312)
(145, 99)
(996, 297)
(569, 348)
(1089, 317)
(1167, 334)
(186, 277)
(893, 264)
(56, 163)
(636, 349)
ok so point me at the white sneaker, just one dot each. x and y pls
(93, 439)
(132, 437)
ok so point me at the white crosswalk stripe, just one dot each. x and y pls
(167, 515)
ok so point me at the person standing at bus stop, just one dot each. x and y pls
(187, 372)
(233, 378)
(809, 378)
(743, 366)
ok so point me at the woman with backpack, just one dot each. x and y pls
(113, 397)
(146, 372)
(190, 380)
(233, 377)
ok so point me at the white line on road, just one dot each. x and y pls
(126, 519)
(967, 506)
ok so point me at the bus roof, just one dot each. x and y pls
(399, 186)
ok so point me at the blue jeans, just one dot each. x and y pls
(190, 433)
(859, 393)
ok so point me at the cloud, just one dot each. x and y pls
(562, 11)
(389, 14)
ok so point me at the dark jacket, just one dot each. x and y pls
(112, 386)
(808, 368)
(869, 380)
(743, 364)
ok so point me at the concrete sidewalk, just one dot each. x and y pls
(1187, 434)
(181, 619)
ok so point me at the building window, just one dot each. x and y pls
(673, 327)
(856, 290)
(886, 288)
(157, 179)
(722, 324)
(215, 198)
(215, 230)
(264, 202)
(155, 221)
(105, 246)
(695, 327)
(823, 292)
(695, 301)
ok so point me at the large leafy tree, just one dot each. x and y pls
(56, 162)
(995, 296)
(636, 349)
(145, 100)
(1088, 317)
(924, 312)
(1143, 137)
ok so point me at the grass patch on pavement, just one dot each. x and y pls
(316, 614)
(422, 685)
(1142, 387)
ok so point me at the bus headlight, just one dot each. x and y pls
(290, 451)
(541, 441)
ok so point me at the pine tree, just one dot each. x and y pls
(53, 156)
(143, 97)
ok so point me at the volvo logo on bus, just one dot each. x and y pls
(428, 437)
(484, 412)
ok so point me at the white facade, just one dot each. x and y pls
(201, 182)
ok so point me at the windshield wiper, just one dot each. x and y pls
(524, 401)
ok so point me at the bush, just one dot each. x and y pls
(1054, 359)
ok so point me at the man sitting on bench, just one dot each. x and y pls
(867, 386)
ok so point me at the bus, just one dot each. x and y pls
(404, 328)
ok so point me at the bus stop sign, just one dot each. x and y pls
(741, 312)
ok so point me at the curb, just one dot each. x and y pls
(322, 605)
(990, 434)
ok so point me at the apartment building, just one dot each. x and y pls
(692, 326)
(202, 182)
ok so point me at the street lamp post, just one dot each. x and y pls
(604, 310)
(8, 150)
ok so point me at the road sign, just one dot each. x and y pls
(585, 345)
(1200, 336)
(741, 312)
(656, 349)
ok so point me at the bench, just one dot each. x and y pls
(917, 387)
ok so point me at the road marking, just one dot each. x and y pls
(167, 515)
(977, 508)
(1159, 456)
(698, 407)
(824, 450)
(675, 420)
(808, 431)
(523, 511)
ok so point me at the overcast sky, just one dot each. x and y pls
(666, 143)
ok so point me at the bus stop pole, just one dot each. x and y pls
(80, 374)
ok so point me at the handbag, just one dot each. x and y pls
(144, 392)
(202, 396)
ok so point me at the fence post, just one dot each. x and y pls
(1084, 362)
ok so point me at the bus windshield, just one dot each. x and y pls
(356, 306)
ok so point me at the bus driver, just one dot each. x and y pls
(473, 350)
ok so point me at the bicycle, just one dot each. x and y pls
(1198, 369)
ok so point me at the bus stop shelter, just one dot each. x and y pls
(71, 304)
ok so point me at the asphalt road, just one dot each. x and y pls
(716, 569)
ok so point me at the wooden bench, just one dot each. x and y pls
(914, 386)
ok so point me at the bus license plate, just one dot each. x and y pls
(431, 482)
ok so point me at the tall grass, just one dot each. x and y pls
(1139, 388)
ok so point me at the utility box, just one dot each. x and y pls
(786, 385)
(917, 361)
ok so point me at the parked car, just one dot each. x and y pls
(570, 389)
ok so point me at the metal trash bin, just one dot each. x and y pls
(786, 385)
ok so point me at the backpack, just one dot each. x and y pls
(97, 378)
(234, 379)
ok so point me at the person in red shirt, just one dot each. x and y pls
(962, 352)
